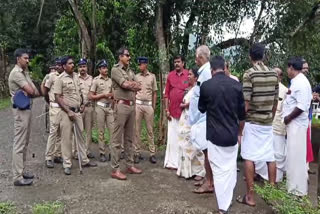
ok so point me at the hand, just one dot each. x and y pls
(108, 95)
(183, 105)
(168, 116)
(82, 108)
(286, 120)
(239, 139)
(71, 115)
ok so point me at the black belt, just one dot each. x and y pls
(75, 110)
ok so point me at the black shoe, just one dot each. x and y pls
(58, 160)
(90, 164)
(103, 158)
(136, 159)
(28, 175)
(23, 182)
(90, 155)
(122, 155)
(67, 171)
(49, 164)
(311, 172)
(153, 159)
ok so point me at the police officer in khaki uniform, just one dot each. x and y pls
(69, 96)
(101, 92)
(124, 87)
(53, 150)
(146, 100)
(19, 79)
(87, 114)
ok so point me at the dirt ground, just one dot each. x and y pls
(157, 190)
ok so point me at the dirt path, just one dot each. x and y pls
(157, 190)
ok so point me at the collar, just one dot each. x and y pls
(203, 67)
(147, 73)
(219, 73)
(259, 63)
(85, 78)
(179, 74)
(122, 66)
(67, 75)
(104, 78)
(18, 68)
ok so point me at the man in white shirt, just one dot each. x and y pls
(295, 113)
(197, 120)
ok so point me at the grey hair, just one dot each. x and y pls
(203, 51)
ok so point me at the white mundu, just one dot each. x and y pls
(172, 150)
(300, 96)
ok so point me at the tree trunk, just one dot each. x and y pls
(164, 67)
(93, 36)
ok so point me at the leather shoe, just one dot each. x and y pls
(67, 171)
(136, 159)
(49, 164)
(90, 164)
(134, 170)
(90, 155)
(58, 160)
(28, 175)
(122, 155)
(23, 182)
(103, 158)
(153, 159)
(117, 174)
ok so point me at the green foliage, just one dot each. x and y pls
(5, 103)
(37, 68)
(48, 208)
(284, 203)
(7, 208)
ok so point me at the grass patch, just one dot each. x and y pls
(4, 103)
(7, 208)
(282, 202)
(48, 208)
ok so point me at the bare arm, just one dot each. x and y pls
(274, 108)
(154, 100)
(94, 96)
(131, 85)
(295, 113)
(247, 103)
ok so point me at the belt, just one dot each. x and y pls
(146, 103)
(74, 109)
(55, 105)
(89, 104)
(104, 105)
(126, 102)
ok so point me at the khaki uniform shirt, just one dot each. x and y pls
(101, 85)
(278, 126)
(18, 79)
(69, 87)
(85, 85)
(46, 77)
(148, 86)
(52, 77)
(119, 75)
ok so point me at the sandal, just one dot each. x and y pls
(199, 183)
(243, 200)
(197, 178)
(203, 189)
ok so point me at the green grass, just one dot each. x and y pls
(48, 208)
(4, 103)
(284, 203)
(7, 208)
(315, 121)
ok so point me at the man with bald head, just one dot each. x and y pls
(198, 120)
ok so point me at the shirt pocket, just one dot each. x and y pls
(69, 87)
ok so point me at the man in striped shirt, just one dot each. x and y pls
(260, 90)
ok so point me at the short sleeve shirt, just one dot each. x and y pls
(176, 86)
(148, 84)
(120, 74)
(101, 85)
(52, 77)
(85, 85)
(18, 79)
(278, 126)
(46, 77)
(260, 89)
(69, 87)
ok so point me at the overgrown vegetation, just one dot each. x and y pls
(5, 103)
(48, 208)
(284, 203)
(7, 208)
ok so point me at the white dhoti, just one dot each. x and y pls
(198, 136)
(297, 175)
(257, 143)
(172, 150)
(223, 162)
(280, 153)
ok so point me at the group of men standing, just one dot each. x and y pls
(75, 100)
(263, 118)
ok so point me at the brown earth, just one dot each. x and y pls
(157, 190)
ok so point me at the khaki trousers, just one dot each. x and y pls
(54, 140)
(124, 128)
(22, 129)
(147, 113)
(104, 118)
(87, 118)
(66, 127)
